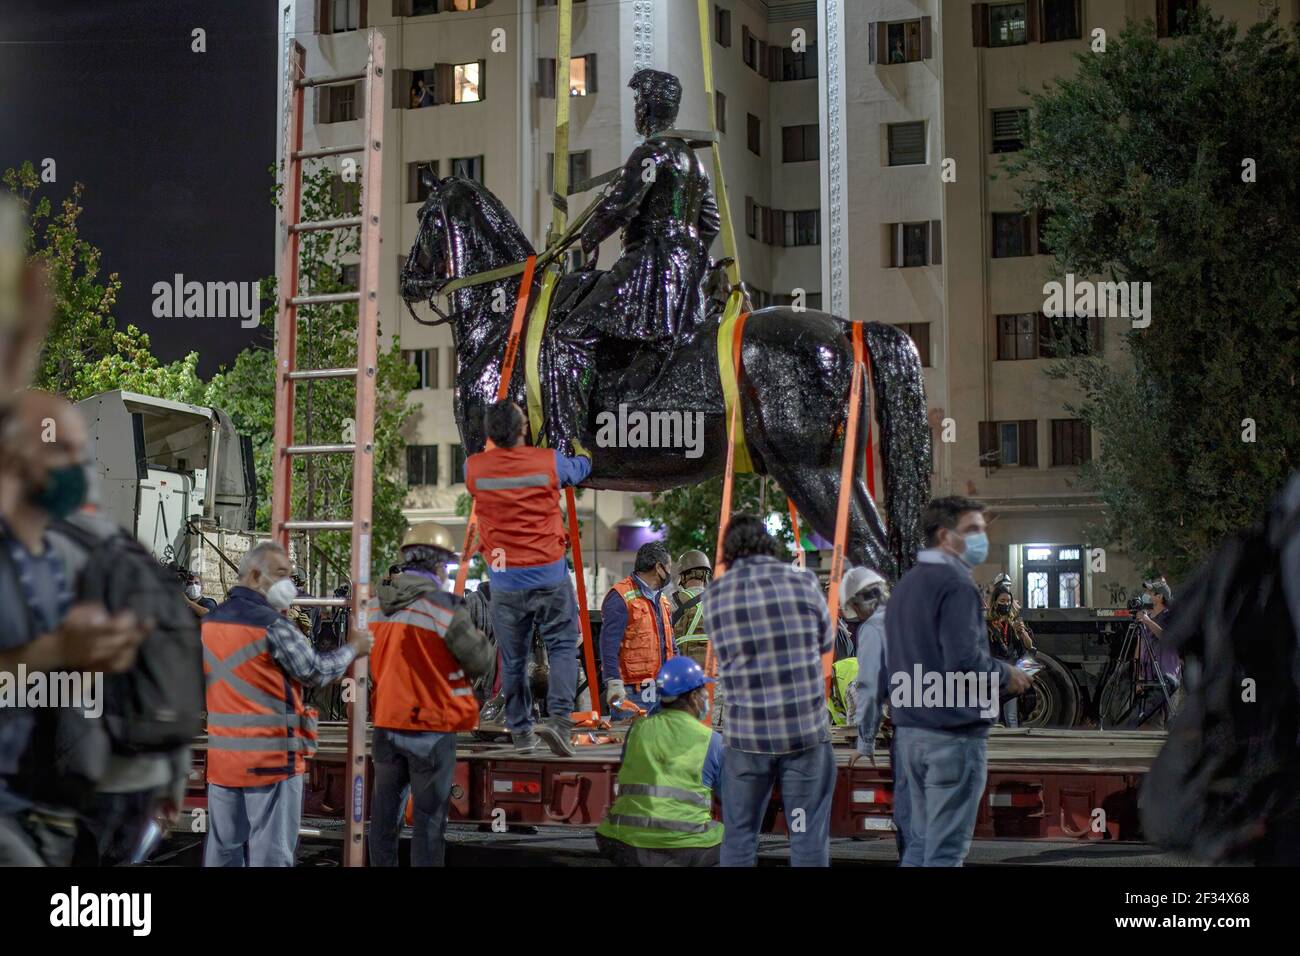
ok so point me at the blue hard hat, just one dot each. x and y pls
(680, 675)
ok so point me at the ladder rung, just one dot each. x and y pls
(307, 81)
(327, 151)
(318, 526)
(339, 449)
(321, 602)
(325, 299)
(321, 225)
(322, 373)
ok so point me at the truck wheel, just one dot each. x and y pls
(1053, 699)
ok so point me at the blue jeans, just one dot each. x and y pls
(554, 612)
(807, 779)
(253, 826)
(945, 775)
(902, 803)
(423, 763)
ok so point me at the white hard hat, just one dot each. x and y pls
(855, 580)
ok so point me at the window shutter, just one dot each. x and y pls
(936, 242)
(1033, 8)
(322, 101)
(401, 89)
(545, 77)
(1029, 443)
(925, 38)
(412, 181)
(990, 453)
(871, 42)
(774, 71)
(980, 24)
(444, 83)
(359, 99)
(895, 244)
(746, 47)
(1027, 234)
(482, 79)
(760, 65)
(362, 23)
(1162, 18)
(882, 39)
(591, 73)
(323, 24)
(749, 216)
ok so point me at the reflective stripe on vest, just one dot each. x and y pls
(669, 793)
(419, 684)
(653, 823)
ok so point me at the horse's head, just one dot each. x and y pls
(464, 230)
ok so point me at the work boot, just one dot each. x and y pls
(526, 743)
(557, 733)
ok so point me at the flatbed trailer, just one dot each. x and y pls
(1044, 784)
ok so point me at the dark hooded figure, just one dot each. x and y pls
(653, 295)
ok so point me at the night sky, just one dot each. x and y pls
(173, 146)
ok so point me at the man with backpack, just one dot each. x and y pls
(51, 757)
(259, 729)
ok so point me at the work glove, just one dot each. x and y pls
(614, 692)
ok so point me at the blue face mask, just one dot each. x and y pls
(977, 549)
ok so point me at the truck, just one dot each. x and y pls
(1077, 648)
(179, 476)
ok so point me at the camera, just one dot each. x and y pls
(1140, 603)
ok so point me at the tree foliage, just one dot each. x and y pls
(1145, 160)
(688, 516)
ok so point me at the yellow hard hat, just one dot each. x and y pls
(430, 534)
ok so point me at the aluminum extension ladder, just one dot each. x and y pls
(287, 375)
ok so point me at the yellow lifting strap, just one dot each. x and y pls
(720, 187)
(560, 164)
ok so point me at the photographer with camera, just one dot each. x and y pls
(1153, 619)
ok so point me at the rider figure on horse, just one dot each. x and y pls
(653, 296)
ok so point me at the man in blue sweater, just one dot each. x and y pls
(944, 685)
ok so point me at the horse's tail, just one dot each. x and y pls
(904, 435)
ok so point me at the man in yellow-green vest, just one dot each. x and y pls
(694, 571)
(672, 763)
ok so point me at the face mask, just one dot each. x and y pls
(63, 493)
(281, 594)
(193, 592)
(1003, 610)
(977, 549)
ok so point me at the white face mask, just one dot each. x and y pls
(193, 592)
(281, 594)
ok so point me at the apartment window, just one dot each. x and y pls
(1172, 16)
(914, 244)
(340, 16)
(1065, 336)
(416, 190)
(1053, 575)
(1071, 442)
(753, 218)
(426, 365)
(802, 228)
(1007, 126)
(1018, 336)
(799, 143)
(421, 465)
(798, 66)
(1009, 444)
(467, 81)
(457, 463)
(721, 26)
(1008, 24)
(345, 197)
(582, 76)
(754, 134)
(350, 275)
(1060, 20)
(749, 48)
(338, 104)
(720, 110)
(579, 168)
(420, 8)
(468, 167)
(906, 144)
(453, 366)
(904, 41)
(919, 333)
(1012, 235)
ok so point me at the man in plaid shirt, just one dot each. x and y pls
(769, 626)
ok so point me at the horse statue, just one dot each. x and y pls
(793, 383)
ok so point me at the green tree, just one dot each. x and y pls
(688, 516)
(1177, 163)
(327, 338)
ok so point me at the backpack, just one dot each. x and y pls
(157, 704)
(1225, 788)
